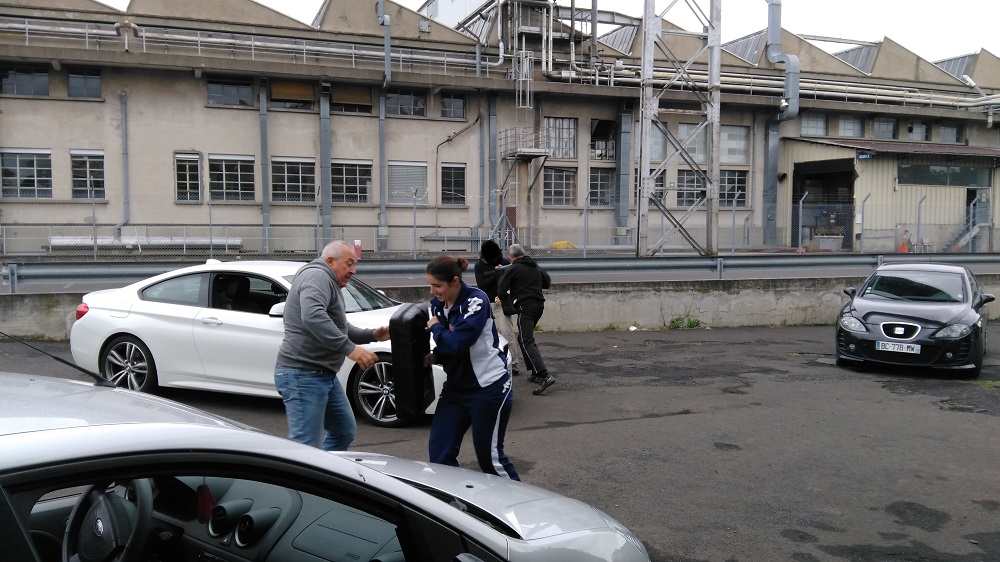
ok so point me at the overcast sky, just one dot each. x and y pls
(933, 29)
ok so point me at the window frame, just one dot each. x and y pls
(405, 102)
(561, 135)
(601, 191)
(813, 124)
(88, 81)
(690, 187)
(92, 161)
(234, 98)
(338, 181)
(451, 193)
(234, 183)
(189, 160)
(728, 179)
(24, 80)
(453, 105)
(880, 127)
(401, 171)
(562, 194)
(40, 176)
(697, 146)
(304, 188)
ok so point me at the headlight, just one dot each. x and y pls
(954, 331)
(851, 324)
(629, 535)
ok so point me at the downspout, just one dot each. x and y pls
(483, 196)
(492, 185)
(325, 173)
(126, 203)
(383, 180)
(123, 27)
(623, 154)
(265, 176)
(789, 109)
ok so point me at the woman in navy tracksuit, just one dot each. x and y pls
(477, 390)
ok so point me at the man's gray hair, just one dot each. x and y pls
(516, 251)
(335, 249)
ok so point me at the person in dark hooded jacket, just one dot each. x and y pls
(520, 291)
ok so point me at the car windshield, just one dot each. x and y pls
(927, 286)
(360, 297)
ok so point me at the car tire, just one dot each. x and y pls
(127, 362)
(977, 359)
(372, 394)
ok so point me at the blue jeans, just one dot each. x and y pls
(314, 400)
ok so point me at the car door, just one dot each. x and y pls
(162, 319)
(238, 348)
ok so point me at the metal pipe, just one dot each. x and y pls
(325, 173)
(265, 176)
(919, 239)
(126, 203)
(806, 194)
(863, 202)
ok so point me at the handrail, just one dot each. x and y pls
(14, 273)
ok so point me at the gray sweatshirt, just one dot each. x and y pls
(317, 334)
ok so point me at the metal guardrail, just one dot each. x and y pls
(127, 272)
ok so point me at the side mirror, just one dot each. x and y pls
(985, 299)
(277, 311)
(850, 291)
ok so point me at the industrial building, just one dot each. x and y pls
(177, 127)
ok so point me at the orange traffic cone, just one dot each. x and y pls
(903, 248)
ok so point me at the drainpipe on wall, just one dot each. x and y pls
(126, 203)
(789, 109)
(383, 180)
(325, 150)
(265, 176)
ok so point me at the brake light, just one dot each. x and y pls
(81, 309)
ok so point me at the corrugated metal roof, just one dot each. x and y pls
(748, 48)
(895, 147)
(861, 57)
(620, 39)
(957, 66)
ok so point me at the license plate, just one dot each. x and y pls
(897, 347)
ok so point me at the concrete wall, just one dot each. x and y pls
(576, 307)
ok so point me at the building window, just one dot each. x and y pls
(187, 177)
(959, 176)
(85, 83)
(453, 184)
(690, 188)
(602, 187)
(87, 169)
(949, 133)
(560, 135)
(814, 124)
(560, 187)
(602, 139)
(293, 180)
(696, 144)
(885, 128)
(732, 188)
(917, 131)
(291, 95)
(351, 99)
(407, 183)
(26, 174)
(848, 126)
(351, 182)
(453, 106)
(405, 102)
(230, 178)
(734, 145)
(658, 145)
(659, 187)
(230, 92)
(24, 81)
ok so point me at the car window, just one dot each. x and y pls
(359, 297)
(244, 292)
(186, 289)
(929, 286)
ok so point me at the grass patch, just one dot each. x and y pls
(992, 386)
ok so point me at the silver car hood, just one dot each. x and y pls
(70, 403)
(532, 512)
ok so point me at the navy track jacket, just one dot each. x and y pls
(467, 344)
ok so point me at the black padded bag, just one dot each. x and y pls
(410, 343)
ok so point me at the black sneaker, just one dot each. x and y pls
(533, 378)
(548, 381)
(514, 371)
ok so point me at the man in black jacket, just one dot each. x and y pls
(491, 262)
(520, 291)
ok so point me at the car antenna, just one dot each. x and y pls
(98, 379)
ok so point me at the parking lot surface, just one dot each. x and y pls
(732, 444)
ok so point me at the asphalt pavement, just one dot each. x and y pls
(731, 444)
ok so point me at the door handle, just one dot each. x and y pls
(212, 321)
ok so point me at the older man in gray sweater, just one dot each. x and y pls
(317, 339)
